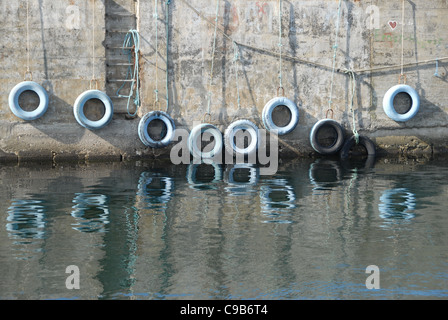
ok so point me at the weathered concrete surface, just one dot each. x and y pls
(61, 52)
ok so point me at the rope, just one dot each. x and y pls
(236, 57)
(93, 43)
(132, 40)
(402, 39)
(156, 17)
(371, 70)
(167, 12)
(311, 63)
(353, 79)
(213, 56)
(28, 71)
(335, 48)
(280, 4)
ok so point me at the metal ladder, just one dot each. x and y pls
(120, 17)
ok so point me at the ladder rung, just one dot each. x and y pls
(118, 80)
(115, 47)
(117, 31)
(124, 14)
(119, 64)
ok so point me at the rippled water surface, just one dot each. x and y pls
(157, 231)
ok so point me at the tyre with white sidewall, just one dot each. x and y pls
(388, 103)
(269, 109)
(79, 109)
(14, 100)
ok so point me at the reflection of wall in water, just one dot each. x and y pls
(49, 194)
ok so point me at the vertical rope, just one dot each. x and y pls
(353, 80)
(280, 9)
(335, 47)
(156, 17)
(167, 3)
(236, 57)
(402, 40)
(27, 38)
(213, 57)
(93, 39)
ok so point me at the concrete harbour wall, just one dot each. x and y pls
(62, 34)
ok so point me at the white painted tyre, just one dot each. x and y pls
(231, 133)
(269, 109)
(14, 100)
(79, 109)
(194, 136)
(145, 122)
(388, 103)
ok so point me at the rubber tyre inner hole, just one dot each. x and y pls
(279, 197)
(358, 151)
(325, 175)
(205, 142)
(242, 175)
(402, 103)
(157, 130)
(242, 139)
(205, 173)
(94, 109)
(156, 188)
(327, 136)
(29, 100)
(281, 116)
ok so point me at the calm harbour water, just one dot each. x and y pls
(157, 231)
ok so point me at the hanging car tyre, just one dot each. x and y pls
(269, 109)
(337, 143)
(14, 100)
(231, 133)
(388, 103)
(167, 134)
(363, 141)
(196, 133)
(79, 109)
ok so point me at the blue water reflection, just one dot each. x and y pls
(325, 174)
(154, 191)
(278, 201)
(91, 212)
(161, 232)
(204, 176)
(26, 220)
(397, 205)
(241, 179)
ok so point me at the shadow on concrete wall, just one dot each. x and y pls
(56, 104)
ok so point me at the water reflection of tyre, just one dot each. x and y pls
(325, 174)
(252, 177)
(154, 190)
(203, 179)
(91, 212)
(397, 204)
(241, 178)
(278, 194)
(358, 163)
(26, 219)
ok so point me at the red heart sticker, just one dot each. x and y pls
(393, 24)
